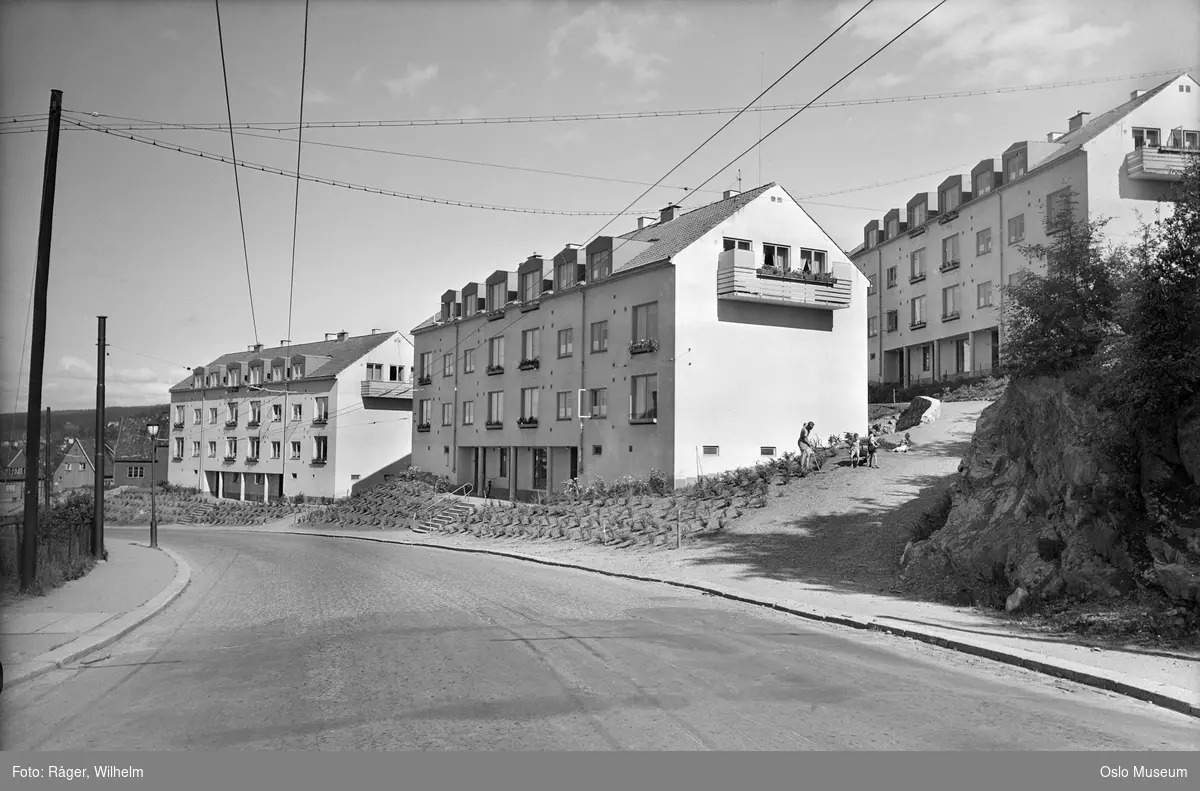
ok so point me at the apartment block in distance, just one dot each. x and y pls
(318, 419)
(699, 342)
(937, 266)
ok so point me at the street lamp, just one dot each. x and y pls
(152, 430)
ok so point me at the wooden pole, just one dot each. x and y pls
(98, 460)
(33, 426)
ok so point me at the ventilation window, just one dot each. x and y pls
(596, 450)
(712, 450)
(767, 450)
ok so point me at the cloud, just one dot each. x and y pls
(75, 368)
(1025, 39)
(413, 80)
(960, 117)
(135, 376)
(359, 76)
(469, 111)
(317, 96)
(565, 138)
(612, 35)
(171, 34)
(638, 97)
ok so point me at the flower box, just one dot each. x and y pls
(422, 427)
(230, 424)
(492, 424)
(178, 425)
(775, 273)
(425, 380)
(493, 315)
(643, 346)
(527, 422)
(492, 370)
(529, 365)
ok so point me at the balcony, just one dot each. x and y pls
(950, 316)
(527, 422)
(1158, 163)
(423, 427)
(493, 370)
(645, 346)
(949, 266)
(739, 278)
(373, 388)
(917, 278)
(917, 325)
(530, 364)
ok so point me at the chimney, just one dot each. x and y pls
(1136, 94)
(1076, 121)
(571, 246)
(1054, 136)
(343, 335)
(256, 348)
(667, 214)
(728, 194)
(645, 221)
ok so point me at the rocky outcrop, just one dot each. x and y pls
(922, 410)
(1040, 507)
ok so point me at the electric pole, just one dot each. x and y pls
(99, 459)
(41, 286)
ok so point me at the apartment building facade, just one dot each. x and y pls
(700, 342)
(937, 267)
(311, 419)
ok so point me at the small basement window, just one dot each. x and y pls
(712, 450)
(596, 450)
(767, 450)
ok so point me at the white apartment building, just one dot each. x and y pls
(937, 266)
(315, 418)
(700, 342)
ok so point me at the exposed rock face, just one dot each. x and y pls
(1038, 507)
(921, 410)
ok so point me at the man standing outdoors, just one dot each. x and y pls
(806, 447)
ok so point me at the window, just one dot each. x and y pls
(565, 275)
(255, 412)
(197, 381)
(495, 407)
(736, 244)
(1191, 140)
(231, 448)
(872, 284)
(396, 373)
(950, 250)
(135, 472)
(1016, 229)
(951, 198)
(529, 403)
(447, 365)
(600, 337)
(1014, 166)
(950, 301)
(531, 344)
(254, 445)
(1058, 206)
(983, 241)
(447, 414)
(297, 411)
(918, 311)
(424, 407)
(1145, 137)
(983, 294)
(212, 415)
(496, 352)
(179, 447)
(231, 412)
(777, 255)
(983, 183)
(1185, 89)
(256, 376)
(893, 320)
(276, 449)
(916, 260)
(235, 377)
(426, 365)
(195, 449)
(531, 286)
(10, 488)
(644, 404)
(469, 361)
(296, 449)
(893, 227)
(179, 411)
(375, 372)
(597, 450)
(599, 265)
(872, 326)
(766, 450)
(872, 237)
(814, 261)
(197, 416)
(926, 357)
(598, 402)
(497, 295)
(322, 408)
(712, 450)
(645, 322)
(468, 413)
(565, 408)
(916, 215)
(276, 413)
(566, 342)
(297, 370)
(891, 277)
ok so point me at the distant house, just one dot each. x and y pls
(77, 469)
(135, 463)
(13, 499)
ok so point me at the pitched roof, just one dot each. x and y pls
(1073, 140)
(669, 238)
(343, 354)
(11, 457)
(108, 455)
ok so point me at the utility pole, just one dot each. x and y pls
(98, 460)
(41, 286)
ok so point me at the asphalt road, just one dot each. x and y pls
(307, 643)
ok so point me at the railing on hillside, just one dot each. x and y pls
(430, 511)
(65, 546)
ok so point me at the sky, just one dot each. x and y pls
(152, 239)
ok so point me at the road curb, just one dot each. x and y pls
(1173, 698)
(108, 632)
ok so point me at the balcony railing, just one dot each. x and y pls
(374, 388)
(644, 346)
(949, 265)
(739, 278)
(423, 427)
(950, 316)
(1158, 163)
(527, 422)
(529, 364)
(916, 325)
(917, 278)
(493, 370)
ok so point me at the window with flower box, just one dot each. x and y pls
(645, 328)
(531, 346)
(496, 355)
(495, 412)
(529, 407)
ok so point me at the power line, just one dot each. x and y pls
(299, 150)
(572, 117)
(335, 182)
(839, 81)
(796, 65)
(236, 182)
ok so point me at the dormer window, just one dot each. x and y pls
(445, 311)
(565, 275)
(917, 215)
(531, 286)
(256, 375)
(983, 183)
(950, 198)
(893, 227)
(872, 237)
(197, 381)
(599, 265)
(497, 295)
(235, 377)
(277, 373)
(1014, 166)
(297, 370)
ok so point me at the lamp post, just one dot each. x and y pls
(152, 430)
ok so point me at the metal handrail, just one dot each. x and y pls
(428, 511)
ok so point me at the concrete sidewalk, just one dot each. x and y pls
(40, 633)
(1168, 679)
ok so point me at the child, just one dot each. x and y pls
(872, 446)
(855, 451)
